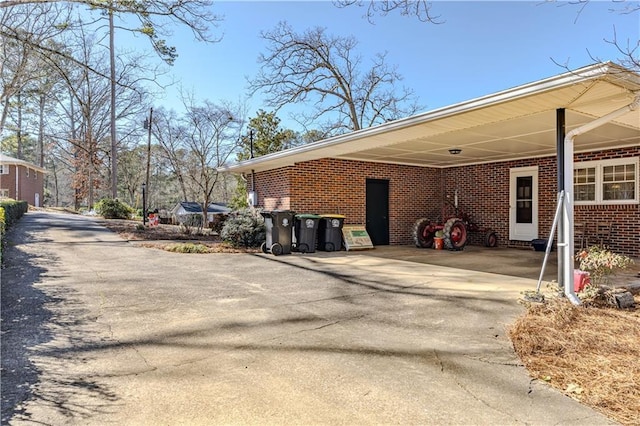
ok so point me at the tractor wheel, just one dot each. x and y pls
(455, 234)
(423, 233)
(491, 238)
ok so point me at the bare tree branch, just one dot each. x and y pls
(155, 18)
(421, 9)
(628, 49)
(323, 70)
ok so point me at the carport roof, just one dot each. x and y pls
(512, 124)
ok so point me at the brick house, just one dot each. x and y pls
(513, 148)
(21, 180)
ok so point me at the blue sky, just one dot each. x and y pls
(480, 48)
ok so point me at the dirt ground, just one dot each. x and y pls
(590, 352)
(167, 236)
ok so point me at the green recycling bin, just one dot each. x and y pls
(330, 232)
(305, 232)
(278, 224)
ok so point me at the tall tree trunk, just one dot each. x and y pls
(183, 187)
(74, 139)
(55, 184)
(114, 154)
(90, 165)
(41, 130)
(19, 153)
(3, 117)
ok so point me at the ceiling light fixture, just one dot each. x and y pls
(455, 151)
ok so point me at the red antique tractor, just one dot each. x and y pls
(455, 227)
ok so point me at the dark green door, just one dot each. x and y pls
(378, 211)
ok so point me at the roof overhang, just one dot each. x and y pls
(512, 124)
(5, 159)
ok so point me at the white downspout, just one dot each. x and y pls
(565, 240)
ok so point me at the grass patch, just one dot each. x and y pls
(187, 248)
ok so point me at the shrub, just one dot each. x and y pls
(2, 221)
(192, 224)
(600, 263)
(244, 228)
(217, 223)
(12, 211)
(113, 209)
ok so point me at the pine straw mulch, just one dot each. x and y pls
(590, 353)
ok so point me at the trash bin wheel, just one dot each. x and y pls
(303, 248)
(329, 246)
(276, 249)
(263, 248)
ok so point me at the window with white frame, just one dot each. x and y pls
(4, 169)
(4, 193)
(606, 182)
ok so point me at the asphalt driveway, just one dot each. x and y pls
(96, 330)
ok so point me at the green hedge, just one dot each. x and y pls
(10, 212)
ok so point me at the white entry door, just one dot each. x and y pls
(523, 203)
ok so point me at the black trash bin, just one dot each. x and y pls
(305, 232)
(278, 224)
(330, 232)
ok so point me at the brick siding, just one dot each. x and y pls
(274, 189)
(339, 186)
(28, 186)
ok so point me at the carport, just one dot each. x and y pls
(585, 110)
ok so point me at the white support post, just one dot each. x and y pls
(565, 239)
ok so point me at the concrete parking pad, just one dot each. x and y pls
(132, 335)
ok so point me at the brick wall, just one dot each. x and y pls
(28, 186)
(339, 186)
(484, 192)
(274, 189)
(625, 219)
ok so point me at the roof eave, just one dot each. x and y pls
(291, 156)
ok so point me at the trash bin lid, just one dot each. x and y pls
(272, 213)
(307, 216)
(336, 216)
